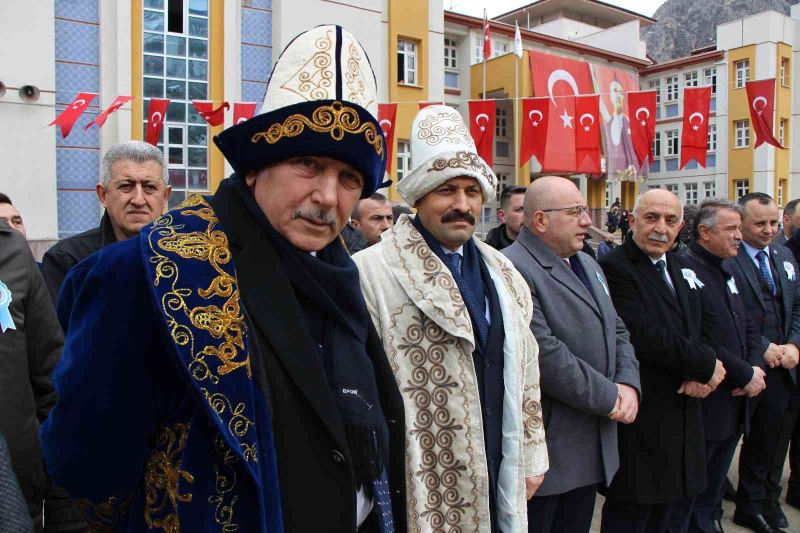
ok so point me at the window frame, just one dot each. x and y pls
(403, 159)
(741, 133)
(742, 72)
(450, 54)
(673, 89)
(710, 78)
(409, 50)
(691, 79)
(673, 139)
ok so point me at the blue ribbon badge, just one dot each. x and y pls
(5, 315)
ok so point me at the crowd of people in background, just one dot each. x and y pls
(297, 353)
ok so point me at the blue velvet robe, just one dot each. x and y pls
(160, 424)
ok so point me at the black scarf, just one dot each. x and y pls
(329, 293)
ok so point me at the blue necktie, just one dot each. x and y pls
(383, 504)
(661, 266)
(763, 266)
(474, 298)
(455, 262)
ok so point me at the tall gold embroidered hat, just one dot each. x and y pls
(321, 100)
(442, 149)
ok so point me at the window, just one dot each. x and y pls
(709, 189)
(477, 55)
(403, 159)
(741, 187)
(781, 183)
(690, 193)
(712, 138)
(690, 79)
(175, 66)
(406, 62)
(782, 130)
(450, 53)
(785, 71)
(672, 88)
(742, 72)
(710, 78)
(657, 145)
(451, 79)
(655, 85)
(499, 48)
(500, 123)
(502, 183)
(673, 188)
(673, 142)
(608, 195)
(742, 133)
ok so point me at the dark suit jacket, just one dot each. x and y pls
(578, 378)
(662, 455)
(28, 354)
(737, 341)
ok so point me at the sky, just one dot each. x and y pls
(498, 7)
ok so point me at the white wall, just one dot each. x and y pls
(622, 39)
(28, 176)
(435, 50)
(565, 28)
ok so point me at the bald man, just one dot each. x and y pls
(662, 455)
(587, 387)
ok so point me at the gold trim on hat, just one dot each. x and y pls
(464, 160)
(336, 119)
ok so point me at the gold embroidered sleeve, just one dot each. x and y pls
(103, 517)
(534, 445)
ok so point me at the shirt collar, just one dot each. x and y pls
(752, 251)
(657, 259)
(459, 250)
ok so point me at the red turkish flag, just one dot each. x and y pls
(386, 117)
(423, 105)
(642, 108)
(481, 127)
(587, 134)
(761, 99)
(694, 137)
(214, 117)
(155, 119)
(243, 111)
(535, 113)
(66, 119)
(487, 38)
(101, 118)
(559, 79)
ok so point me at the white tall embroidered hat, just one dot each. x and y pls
(442, 149)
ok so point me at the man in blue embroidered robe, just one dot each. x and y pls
(221, 370)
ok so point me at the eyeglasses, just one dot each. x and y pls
(576, 211)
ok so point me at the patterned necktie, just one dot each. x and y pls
(763, 266)
(661, 266)
(474, 298)
(455, 262)
(383, 504)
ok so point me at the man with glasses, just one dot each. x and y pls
(662, 456)
(587, 387)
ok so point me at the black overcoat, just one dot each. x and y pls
(662, 454)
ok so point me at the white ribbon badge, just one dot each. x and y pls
(789, 268)
(602, 282)
(691, 278)
(732, 286)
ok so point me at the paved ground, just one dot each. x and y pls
(791, 513)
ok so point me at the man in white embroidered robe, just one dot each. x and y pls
(454, 317)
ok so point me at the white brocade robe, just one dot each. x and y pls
(427, 334)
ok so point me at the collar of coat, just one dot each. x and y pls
(430, 286)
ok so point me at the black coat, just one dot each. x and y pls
(662, 454)
(68, 252)
(28, 354)
(737, 341)
(317, 481)
(497, 238)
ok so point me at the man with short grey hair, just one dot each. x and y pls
(133, 190)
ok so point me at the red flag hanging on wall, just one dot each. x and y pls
(694, 137)
(535, 113)
(243, 111)
(155, 119)
(386, 117)
(66, 119)
(587, 134)
(560, 79)
(423, 105)
(761, 100)
(481, 127)
(100, 119)
(214, 117)
(642, 106)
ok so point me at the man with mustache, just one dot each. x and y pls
(772, 295)
(662, 459)
(717, 235)
(235, 381)
(454, 318)
(133, 190)
(587, 387)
